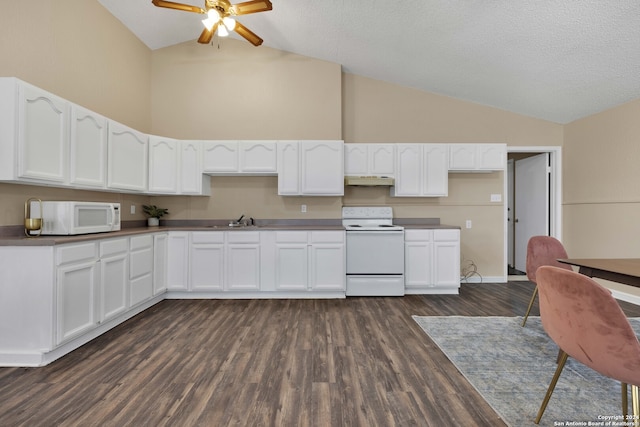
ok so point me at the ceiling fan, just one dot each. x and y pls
(219, 17)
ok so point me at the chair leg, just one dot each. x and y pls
(552, 386)
(625, 401)
(533, 298)
(635, 404)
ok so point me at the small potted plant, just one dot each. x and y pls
(154, 214)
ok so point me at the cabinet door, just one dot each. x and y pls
(163, 165)
(258, 157)
(127, 164)
(207, 267)
(192, 180)
(408, 167)
(322, 168)
(381, 159)
(492, 156)
(88, 148)
(42, 135)
(435, 170)
(221, 156)
(446, 264)
(76, 306)
(160, 258)
(114, 280)
(178, 261)
(243, 267)
(141, 269)
(288, 168)
(356, 159)
(292, 273)
(327, 267)
(417, 259)
(462, 156)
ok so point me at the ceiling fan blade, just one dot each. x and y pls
(247, 34)
(206, 35)
(253, 6)
(178, 6)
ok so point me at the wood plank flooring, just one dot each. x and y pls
(353, 362)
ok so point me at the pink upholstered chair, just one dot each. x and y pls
(587, 323)
(542, 250)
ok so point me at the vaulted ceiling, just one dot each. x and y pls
(558, 60)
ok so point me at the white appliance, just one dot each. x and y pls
(67, 218)
(375, 252)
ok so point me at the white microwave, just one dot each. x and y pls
(67, 218)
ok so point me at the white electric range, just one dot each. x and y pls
(375, 251)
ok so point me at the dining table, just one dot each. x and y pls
(621, 270)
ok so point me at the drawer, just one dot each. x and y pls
(207, 237)
(139, 242)
(112, 247)
(243, 236)
(76, 253)
(291, 237)
(327, 236)
(446, 235)
(418, 235)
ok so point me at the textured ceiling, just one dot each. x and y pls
(558, 60)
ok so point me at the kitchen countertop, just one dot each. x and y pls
(205, 225)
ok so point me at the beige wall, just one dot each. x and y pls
(79, 51)
(601, 191)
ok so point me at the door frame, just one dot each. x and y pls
(555, 194)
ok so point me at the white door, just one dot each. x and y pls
(510, 210)
(531, 204)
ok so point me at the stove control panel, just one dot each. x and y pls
(381, 212)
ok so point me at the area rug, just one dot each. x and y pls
(511, 367)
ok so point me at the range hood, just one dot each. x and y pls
(369, 181)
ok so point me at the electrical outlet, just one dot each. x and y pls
(468, 223)
(133, 209)
(303, 208)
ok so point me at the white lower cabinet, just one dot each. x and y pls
(432, 261)
(178, 261)
(206, 261)
(256, 263)
(140, 269)
(310, 261)
(114, 277)
(243, 261)
(160, 258)
(77, 287)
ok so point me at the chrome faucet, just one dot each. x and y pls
(237, 222)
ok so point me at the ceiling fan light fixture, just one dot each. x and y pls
(222, 30)
(228, 22)
(213, 17)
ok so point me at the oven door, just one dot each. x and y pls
(375, 252)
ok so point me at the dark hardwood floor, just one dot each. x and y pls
(353, 362)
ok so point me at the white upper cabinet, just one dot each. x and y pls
(322, 168)
(127, 160)
(311, 168)
(164, 154)
(87, 148)
(34, 134)
(258, 157)
(240, 157)
(477, 157)
(288, 168)
(422, 170)
(192, 181)
(369, 159)
(220, 156)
